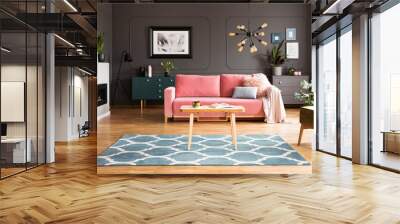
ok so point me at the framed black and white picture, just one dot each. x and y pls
(292, 50)
(290, 33)
(170, 42)
(276, 38)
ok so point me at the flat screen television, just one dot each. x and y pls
(3, 130)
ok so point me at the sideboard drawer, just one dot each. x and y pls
(290, 99)
(144, 88)
(289, 85)
(167, 82)
(288, 80)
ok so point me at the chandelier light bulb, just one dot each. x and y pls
(242, 43)
(261, 34)
(240, 49)
(241, 27)
(232, 34)
(264, 43)
(264, 25)
(253, 49)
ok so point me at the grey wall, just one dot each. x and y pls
(213, 51)
(71, 90)
(104, 25)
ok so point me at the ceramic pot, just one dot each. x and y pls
(277, 70)
(101, 58)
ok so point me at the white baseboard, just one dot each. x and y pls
(99, 117)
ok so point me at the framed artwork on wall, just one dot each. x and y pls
(276, 38)
(290, 33)
(292, 50)
(170, 42)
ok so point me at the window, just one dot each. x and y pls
(346, 95)
(326, 99)
(385, 89)
(334, 94)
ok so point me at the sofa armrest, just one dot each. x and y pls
(169, 97)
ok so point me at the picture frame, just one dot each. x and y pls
(291, 34)
(292, 50)
(170, 41)
(276, 38)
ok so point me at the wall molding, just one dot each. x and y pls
(267, 37)
(132, 36)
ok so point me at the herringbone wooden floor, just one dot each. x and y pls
(69, 191)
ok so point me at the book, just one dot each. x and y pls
(221, 105)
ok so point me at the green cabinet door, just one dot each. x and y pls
(168, 81)
(144, 88)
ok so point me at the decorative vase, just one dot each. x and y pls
(166, 74)
(291, 71)
(149, 71)
(142, 71)
(101, 57)
(277, 70)
(196, 104)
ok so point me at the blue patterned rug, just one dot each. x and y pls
(207, 150)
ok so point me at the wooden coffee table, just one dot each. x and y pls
(229, 111)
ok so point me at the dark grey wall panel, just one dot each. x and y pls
(213, 51)
(104, 25)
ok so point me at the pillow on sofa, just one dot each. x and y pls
(245, 92)
(197, 85)
(260, 81)
(229, 82)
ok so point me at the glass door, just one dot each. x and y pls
(326, 96)
(345, 91)
(22, 101)
(334, 94)
(13, 94)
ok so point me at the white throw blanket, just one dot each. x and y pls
(274, 108)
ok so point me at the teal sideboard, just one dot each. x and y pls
(145, 88)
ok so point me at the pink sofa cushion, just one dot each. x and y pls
(169, 97)
(260, 81)
(229, 82)
(197, 85)
(253, 107)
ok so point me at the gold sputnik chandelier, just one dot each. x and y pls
(249, 37)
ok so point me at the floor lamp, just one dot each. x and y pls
(125, 57)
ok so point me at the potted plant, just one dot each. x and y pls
(100, 47)
(291, 71)
(306, 95)
(168, 66)
(277, 59)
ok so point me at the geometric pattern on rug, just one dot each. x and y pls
(206, 150)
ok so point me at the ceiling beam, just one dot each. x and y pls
(81, 61)
(91, 5)
(84, 24)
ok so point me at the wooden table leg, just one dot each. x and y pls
(141, 106)
(233, 127)
(300, 135)
(190, 130)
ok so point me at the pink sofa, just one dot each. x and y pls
(208, 90)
